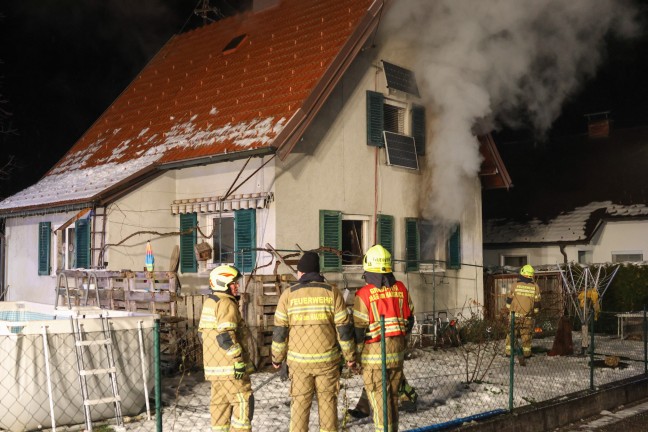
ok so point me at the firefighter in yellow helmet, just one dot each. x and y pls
(382, 296)
(225, 356)
(524, 300)
(312, 324)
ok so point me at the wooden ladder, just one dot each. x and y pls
(102, 355)
(98, 241)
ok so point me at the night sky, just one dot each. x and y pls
(65, 61)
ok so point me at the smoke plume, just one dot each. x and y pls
(487, 64)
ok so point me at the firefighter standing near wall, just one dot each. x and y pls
(225, 356)
(524, 300)
(384, 296)
(310, 321)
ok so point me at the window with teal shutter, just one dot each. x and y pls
(418, 128)
(82, 234)
(412, 244)
(454, 249)
(245, 239)
(375, 119)
(188, 238)
(330, 236)
(385, 232)
(44, 238)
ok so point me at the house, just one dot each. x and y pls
(282, 128)
(582, 199)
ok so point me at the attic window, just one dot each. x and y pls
(234, 44)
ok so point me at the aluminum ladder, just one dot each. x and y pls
(83, 348)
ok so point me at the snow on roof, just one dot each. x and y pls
(577, 225)
(195, 100)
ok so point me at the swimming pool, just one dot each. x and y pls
(37, 340)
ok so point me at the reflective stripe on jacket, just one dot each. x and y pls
(224, 334)
(370, 304)
(312, 325)
(524, 298)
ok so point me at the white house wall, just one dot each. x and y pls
(21, 258)
(332, 168)
(140, 216)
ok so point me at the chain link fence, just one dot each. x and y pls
(455, 368)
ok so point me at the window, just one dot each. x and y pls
(390, 115)
(233, 240)
(346, 233)
(44, 238)
(412, 244)
(66, 248)
(223, 239)
(454, 248)
(394, 118)
(585, 257)
(428, 241)
(514, 260)
(630, 256)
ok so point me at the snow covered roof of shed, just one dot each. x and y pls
(575, 226)
(200, 100)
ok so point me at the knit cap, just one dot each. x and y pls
(309, 263)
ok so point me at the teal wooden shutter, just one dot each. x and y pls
(454, 249)
(418, 128)
(82, 233)
(375, 119)
(385, 232)
(330, 236)
(412, 245)
(245, 239)
(188, 263)
(44, 237)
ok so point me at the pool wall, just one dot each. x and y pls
(25, 402)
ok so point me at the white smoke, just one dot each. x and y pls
(494, 62)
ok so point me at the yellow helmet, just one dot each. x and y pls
(527, 271)
(222, 276)
(377, 260)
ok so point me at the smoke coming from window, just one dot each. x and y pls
(482, 65)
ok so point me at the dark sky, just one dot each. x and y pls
(65, 61)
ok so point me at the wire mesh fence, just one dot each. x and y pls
(444, 381)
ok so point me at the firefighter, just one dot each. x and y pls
(384, 296)
(225, 356)
(312, 331)
(524, 300)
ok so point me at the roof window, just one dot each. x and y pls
(234, 44)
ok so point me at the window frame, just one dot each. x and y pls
(503, 258)
(626, 253)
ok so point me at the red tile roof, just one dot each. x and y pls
(194, 101)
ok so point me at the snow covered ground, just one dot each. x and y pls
(440, 378)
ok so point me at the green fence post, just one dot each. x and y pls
(645, 331)
(591, 330)
(158, 380)
(511, 359)
(383, 352)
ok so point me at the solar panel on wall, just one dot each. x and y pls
(401, 150)
(401, 79)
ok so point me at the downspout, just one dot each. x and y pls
(561, 246)
(3, 279)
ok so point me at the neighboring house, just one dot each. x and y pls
(268, 128)
(599, 232)
(582, 199)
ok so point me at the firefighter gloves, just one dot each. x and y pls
(239, 370)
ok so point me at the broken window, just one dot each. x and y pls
(514, 260)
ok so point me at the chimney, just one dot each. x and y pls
(261, 5)
(598, 124)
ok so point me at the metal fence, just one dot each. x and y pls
(459, 372)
